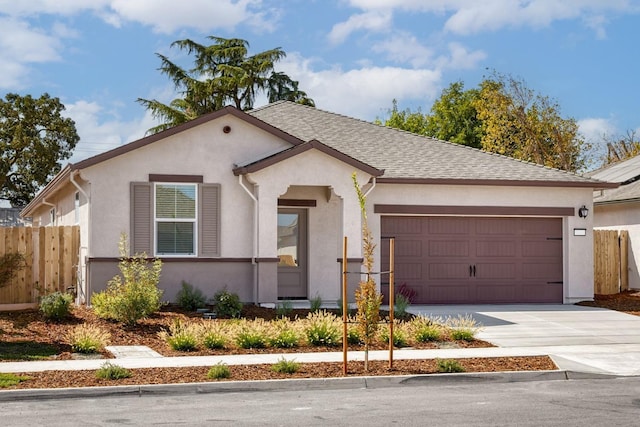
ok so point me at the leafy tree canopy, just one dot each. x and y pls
(621, 148)
(223, 73)
(501, 116)
(34, 139)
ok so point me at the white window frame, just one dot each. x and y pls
(157, 220)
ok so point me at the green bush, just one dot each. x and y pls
(110, 371)
(401, 303)
(213, 339)
(316, 303)
(88, 339)
(284, 308)
(284, 366)
(190, 298)
(181, 337)
(449, 366)
(463, 328)
(56, 306)
(353, 335)
(134, 294)
(252, 334)
(399, 336)
(428, 333)
(227, 304)
(219, 371)
(323, 329)
(9, 380)
(286, 335)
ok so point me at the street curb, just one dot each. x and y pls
(338, 383)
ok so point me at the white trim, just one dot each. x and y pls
(193, 221)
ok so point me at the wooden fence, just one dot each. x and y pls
(610, 261)
(51, 255)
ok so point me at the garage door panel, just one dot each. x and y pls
(496, 271)
(496, 248)
(495, 293)
(535, 292)
(549, 271)
(407, 248)
(448, 271)
(541, 226)
(448, 248)
(542, 248)
(402, 225)
(446, 225)
(451, 293)
(495, 227)
(408, 271)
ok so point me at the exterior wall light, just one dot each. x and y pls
(583, 212)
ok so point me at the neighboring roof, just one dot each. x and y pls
(406, 157)
(627, 173)
(301, 148)
(623, 172)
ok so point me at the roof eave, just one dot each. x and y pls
(499, 182)
(51, 188)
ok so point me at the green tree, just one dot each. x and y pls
(454, 117)
(223, 73)
(408, 120)
(34, 139)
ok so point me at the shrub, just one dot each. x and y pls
(227, 304)
(316, 303)
(134, 295)
(181, 337)
(110, 371)
(9, 380)
(252, 334)
(425, 329)
(284, 366)
(323, 329)
(401, 305)
(285, 335)
(88, 338)
(284, 308)
(190, 298)
(219, 371)
(449, 366)
(213, 335)
(463, 328)
(353, 335)
(399, 335)
(56, 306)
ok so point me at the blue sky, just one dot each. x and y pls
(351, 56)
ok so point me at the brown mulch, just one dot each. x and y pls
(30, 325)
(628, 302)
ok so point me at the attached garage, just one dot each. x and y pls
(469, 260)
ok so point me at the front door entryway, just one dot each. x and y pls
(292, 252)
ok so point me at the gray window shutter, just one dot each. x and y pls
(209, 220)
(141, 220)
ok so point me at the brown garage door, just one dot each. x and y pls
(468, 260)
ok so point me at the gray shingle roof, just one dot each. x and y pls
(627, 173)
(402, 154)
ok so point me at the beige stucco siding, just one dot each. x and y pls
(578, 251)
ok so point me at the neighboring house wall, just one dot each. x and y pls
(623, 216)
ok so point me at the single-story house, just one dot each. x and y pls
(619, 208)
(258, 202)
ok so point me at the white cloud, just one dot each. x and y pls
(21, 45)
(594, 128)
(365, 92)
(473, 16)
(460, 58)
(377, 21)
(403, 47)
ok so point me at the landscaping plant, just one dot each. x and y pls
(56, 306)
(134, 294)
(425, 329)
(252, 333)
(368, 299)
(87, 338)
(449, 366)
(401, 305)
(463, 328)
(227, 304)
(316, 303)
(323, 329)
(213, 335)
(181, 337)
(190, 298)
(285, 334)
(110, 371)
(284, 308)
(284, 366)
(219, 371)
(9, 380)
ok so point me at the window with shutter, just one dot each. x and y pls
(175, 218)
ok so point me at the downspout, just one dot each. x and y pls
(254, 256)
(373, 185)
(83, 278)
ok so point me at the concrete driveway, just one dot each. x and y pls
(583, 339)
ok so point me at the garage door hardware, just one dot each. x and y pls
(472, 271)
